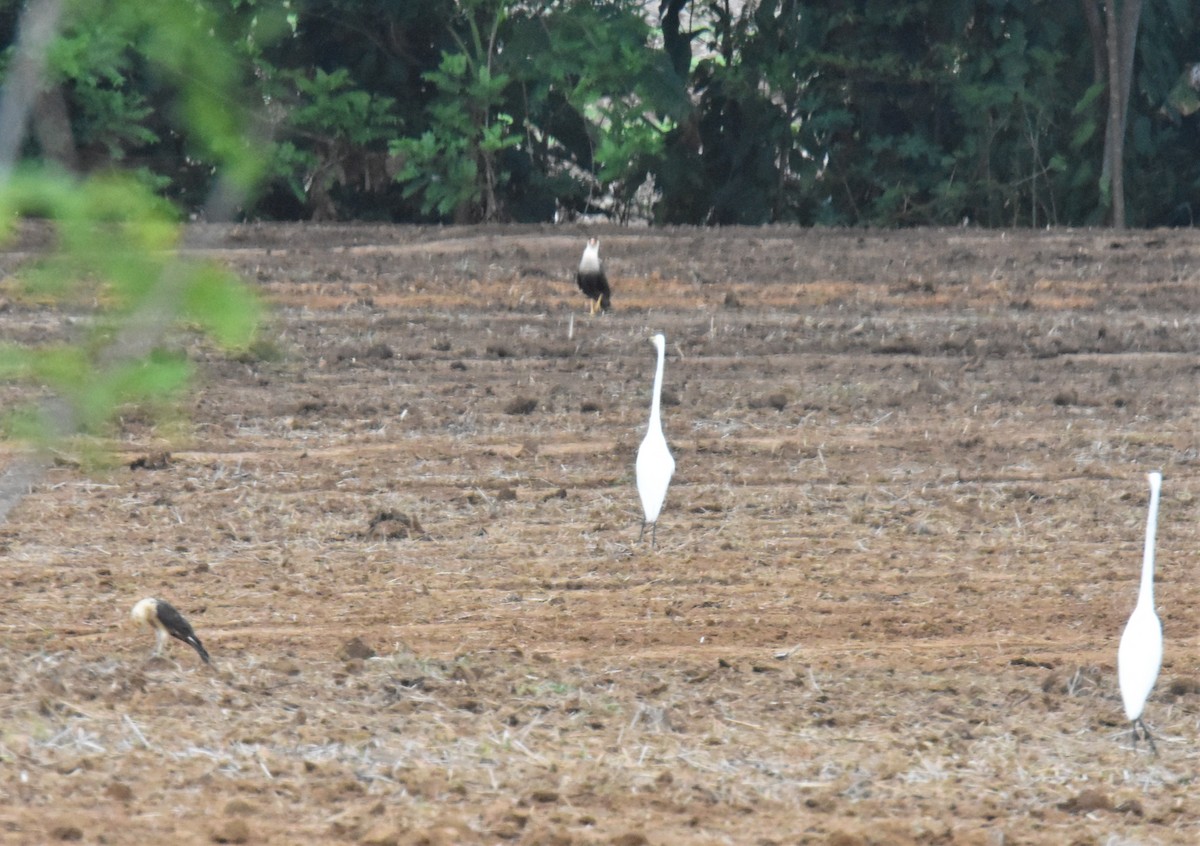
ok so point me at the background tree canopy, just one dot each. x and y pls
(678, 111)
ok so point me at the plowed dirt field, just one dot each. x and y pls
(902, 540)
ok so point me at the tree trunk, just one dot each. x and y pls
(1114, 137)
(1115, 37)
(1131, 15)
(677, 43)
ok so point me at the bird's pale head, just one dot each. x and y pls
(659, 341)
(591, 257)
(144, 611)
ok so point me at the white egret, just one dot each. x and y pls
(1139, 657)
(591, 279)
(654, 462)
(165, 620)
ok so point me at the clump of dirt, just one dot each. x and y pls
(521, 405)
(355, 649)
(160, 460)
(394, 525)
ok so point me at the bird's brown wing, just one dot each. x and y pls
(179, 628)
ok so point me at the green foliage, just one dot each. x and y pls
(115, 257)
(93, 65)
(441, 170)
(1183, 99)
(541, 105)
(218, 302)
(865, 112)
(452, 165)
(331, 105)
(125, 84)
(1008, 165)
(324, 125)
(600, 105)
(116, 242)
(1162, 167)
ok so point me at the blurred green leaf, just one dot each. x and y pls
(225, 307)
(115, 262)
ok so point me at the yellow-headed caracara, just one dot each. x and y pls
(165, 620)
(591, 279)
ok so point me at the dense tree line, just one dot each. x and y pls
(865, 112)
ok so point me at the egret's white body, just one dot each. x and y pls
(654, 462)
(1139, 657)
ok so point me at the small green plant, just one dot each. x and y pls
(455, 165)
(326, 123)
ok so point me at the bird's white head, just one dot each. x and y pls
(591, 256)
(143, 611)
(659, 341)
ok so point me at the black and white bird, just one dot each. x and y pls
(655, 466)
(591, 279)
(1139, 656)
(165, 620)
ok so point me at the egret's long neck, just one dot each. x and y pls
(1146, 590)
(655, 413)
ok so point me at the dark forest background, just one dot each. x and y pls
(874, 112)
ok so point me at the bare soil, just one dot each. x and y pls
(902, 540)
